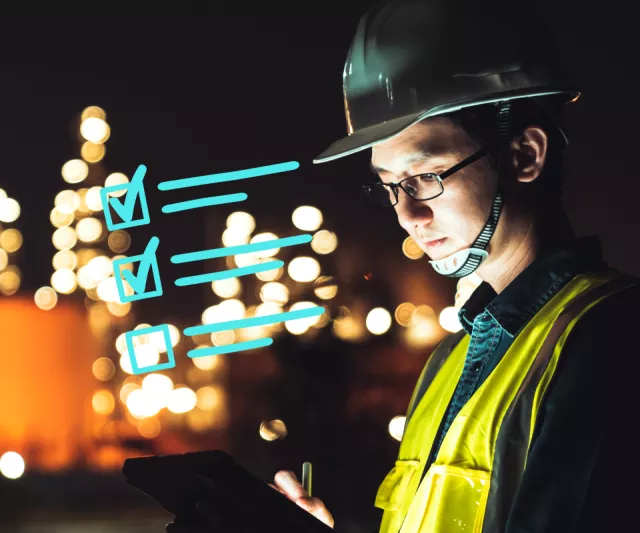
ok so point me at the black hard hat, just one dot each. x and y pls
(413, 59)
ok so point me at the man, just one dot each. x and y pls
(461, 103)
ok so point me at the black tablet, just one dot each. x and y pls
(173, 480)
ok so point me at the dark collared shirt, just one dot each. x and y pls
(563, 487)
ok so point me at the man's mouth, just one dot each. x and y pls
(434, 244)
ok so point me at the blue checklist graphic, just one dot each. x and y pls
(138, 282)
(143, 287)
(134, 191)
(162, 328)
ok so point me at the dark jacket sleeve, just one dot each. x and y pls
(567, 486)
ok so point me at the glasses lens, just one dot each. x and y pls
(381, 194)
(423, 187)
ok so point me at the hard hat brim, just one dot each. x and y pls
(372, 135)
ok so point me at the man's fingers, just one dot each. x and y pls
(289, 485)
(276, 488)
(316, 507)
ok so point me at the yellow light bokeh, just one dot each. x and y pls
(4, 259)
(235, 237)
(304, 269)
(271, 430)
(404, 313)
(181, 400)
(307, 218)
(92, 153)
(324, 242)
(299, 326)
(274, 292)
(64, 281)
(242, 222)
(378, 321)
(64, 238)
(95, 129)
(103, 368)
(325, 288)
(93, 199)
(75, 171)
(116, 178)
(89, 229)
(449, 320)
(45, 298)
(223, 338)
(206, 363)
(10, 280)
(273, 274)
(119, 241)
(12, 465)
(264, 237)
(232, 309)
(396, 427)
(67, 201)
(207, 398)
(141, 404)
(127, 389)
(11, 240)
(103, 402)
(118, 309)
(93, 111)
(9, 210)
(149, 428)
(60, 219)
(227, 288)
(65, 259)
(411, 249)
(423, 312)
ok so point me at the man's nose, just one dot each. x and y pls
(412, 212)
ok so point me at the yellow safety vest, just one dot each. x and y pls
(471, 484)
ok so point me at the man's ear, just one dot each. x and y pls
(529, 153)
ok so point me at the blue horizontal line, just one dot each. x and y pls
(230, 348)
(226, 274)
(227, 176)
(204, 202)
(254, 321)
(241, 249)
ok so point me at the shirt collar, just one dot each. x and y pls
(534, 286)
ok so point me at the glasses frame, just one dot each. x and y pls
(440, 177)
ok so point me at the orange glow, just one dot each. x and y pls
(46, 383)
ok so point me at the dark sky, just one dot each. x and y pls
(188, 96)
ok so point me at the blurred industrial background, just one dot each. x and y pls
(88, 99)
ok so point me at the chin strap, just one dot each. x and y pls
(465, 262)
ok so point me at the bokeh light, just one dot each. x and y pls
(117, 178)
(119, 241)
(404, 313)
(93, 111)
(12, 465)
(182, 400)
(449, 319)
(103, 402)
(103, 368)
(10, 280)
(378, 321)
(396, 427)
(274, 292)
(60, 219)
(89, 229)
(67, 201)
(11, 240)
(75, 171)
(95, 129)
(64, 281)
(241, 222)
(304, 269)
(325, 288)
(64, 238)
(411, 249)
(307, 218)
(227, 288)
(9, 210)
(271, 430)
(324, 242)
(92, 153)
(46, 298)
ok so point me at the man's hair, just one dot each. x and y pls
(481, 124)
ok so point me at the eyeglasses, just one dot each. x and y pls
(420, 187)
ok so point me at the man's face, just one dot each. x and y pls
(456, 216)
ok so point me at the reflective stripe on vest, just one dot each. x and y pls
(471, 484)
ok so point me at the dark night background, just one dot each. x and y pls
(195, 95)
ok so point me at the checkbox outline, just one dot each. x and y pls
(117, 273)
(106, 207)
(130, 335)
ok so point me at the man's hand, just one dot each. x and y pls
(287, 483)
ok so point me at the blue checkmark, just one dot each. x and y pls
(148, 261)
(134, 191)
